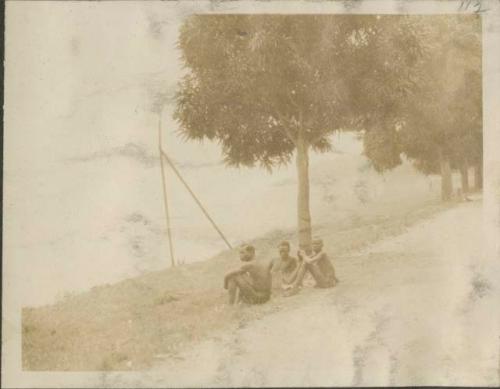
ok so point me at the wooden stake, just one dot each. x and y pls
(195, 198)
(165, 196)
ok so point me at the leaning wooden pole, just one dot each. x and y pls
(165, 196)
(195, 198)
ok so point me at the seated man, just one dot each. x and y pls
(286, 265)
(251, 283)
(318, 264)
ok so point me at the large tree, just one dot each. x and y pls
(267, 87)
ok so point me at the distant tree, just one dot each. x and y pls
(468, 142)
(268, 86)
(382, 147)
(439, 124)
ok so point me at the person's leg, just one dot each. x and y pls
(326, 283)
(232, 287)
(297, 280)
(333, 277)
(322, 281)
(299, 275)
(261, 298)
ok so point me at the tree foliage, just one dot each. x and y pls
(441, 118)
(254, 82)
(268, 86)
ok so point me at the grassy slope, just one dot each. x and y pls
(125, 325)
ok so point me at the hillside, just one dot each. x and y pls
(412, 310)
(125, 325)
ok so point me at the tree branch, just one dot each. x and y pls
(286, 129)
(290, 135)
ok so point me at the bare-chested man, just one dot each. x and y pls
(318, 264)
(286, 265)
(251, 283)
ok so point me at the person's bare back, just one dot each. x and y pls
(259, 274)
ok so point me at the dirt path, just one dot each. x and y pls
(410, 310)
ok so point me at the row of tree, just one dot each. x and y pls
(439, 125)
(268, 87)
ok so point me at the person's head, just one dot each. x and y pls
(317, 244)
(247, 252)
(284, 249)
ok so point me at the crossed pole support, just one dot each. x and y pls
(165, 194)
(165, 157)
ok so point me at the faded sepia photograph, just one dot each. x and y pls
(251, 194)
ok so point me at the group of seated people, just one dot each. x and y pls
(252, 282)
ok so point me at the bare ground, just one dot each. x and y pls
(408, 304)
(411, 310)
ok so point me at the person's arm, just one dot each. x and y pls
(246, 268)
(312, 258)
(232, 274)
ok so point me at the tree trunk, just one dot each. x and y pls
(478, 176)
(446, 180)
(303, 211)
(464, 175)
